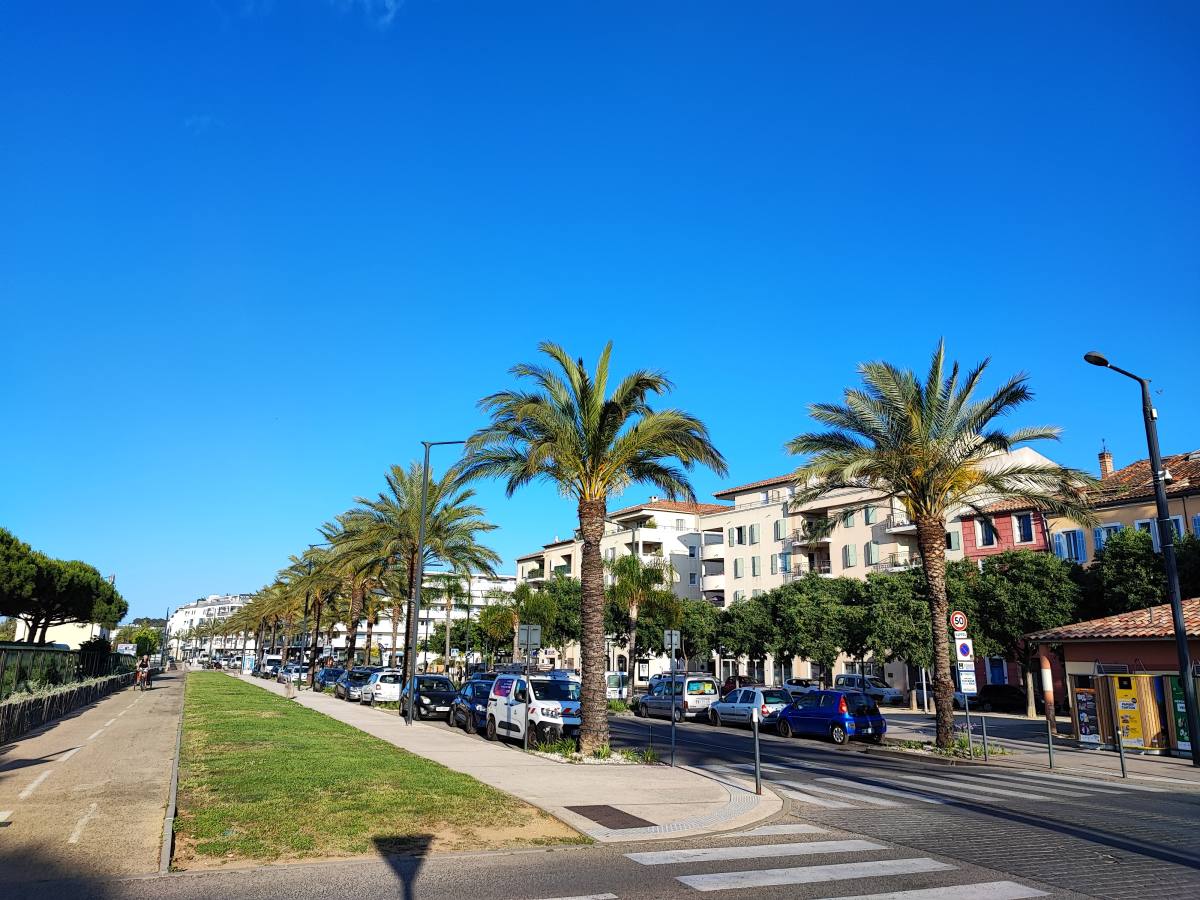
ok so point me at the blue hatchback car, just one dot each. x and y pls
(468, 710)
(837, 715)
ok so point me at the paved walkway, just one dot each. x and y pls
(679, 802)
(86, 795)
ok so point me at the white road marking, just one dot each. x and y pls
(588, 897)
(4, 814)
(750, 851)
(823, 802)
(725, 881)
(109, 722)
(987, 890)
(971, 786)
(845, 795)
(33, 786)
(767, 830)
(890, 792)
(1055, 791)
(79, 826)
(95, 734)
(957, 793)
(1120, 786)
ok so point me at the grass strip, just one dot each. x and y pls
(264, 778)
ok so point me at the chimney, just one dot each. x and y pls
(1106, 467)
(654, 499)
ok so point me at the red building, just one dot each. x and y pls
(1011, 525)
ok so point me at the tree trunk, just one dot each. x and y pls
(312, 656)
(446, 658)
(632, 665)
(593, 734)
(370, 637)
(356, 604)
(931, 537)
(395, 616)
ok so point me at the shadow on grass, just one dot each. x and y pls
(405, 854)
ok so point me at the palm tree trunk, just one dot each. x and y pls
(396, 608)
(370, 636)
(593, 733)
(931, 537)
(312, 656)
(356, 601)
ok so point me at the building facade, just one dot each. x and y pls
(184, 644)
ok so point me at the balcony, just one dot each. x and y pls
(899, 523)
(535, 575)
(562, 570)
(712, 582)
(713, 551)
(897, 562)
(809, 536)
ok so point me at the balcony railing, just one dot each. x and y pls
(895, 561)
(898, 522)
(534, 574)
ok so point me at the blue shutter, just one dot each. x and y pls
(1060, 549)
(1098, 538)
(1196, 526)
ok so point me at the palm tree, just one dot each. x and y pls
(935, 448)
(569, 431)
(642, 587)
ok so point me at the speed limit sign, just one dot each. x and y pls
(958, 620)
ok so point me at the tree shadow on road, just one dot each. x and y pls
(406, 855)
(34, 875)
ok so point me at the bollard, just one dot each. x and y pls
(1117, 735)
(1050, 744)
(967, 710)
(650, 732)
(757, 758)
(673, 716)
(983, 723)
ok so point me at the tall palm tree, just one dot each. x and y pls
(568, 430)
(638, 587)
(936, 449)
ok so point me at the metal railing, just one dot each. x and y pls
(897, 520)
(30, 669)
(897, 561)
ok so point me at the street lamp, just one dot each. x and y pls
(1166, 543)
(420, 576)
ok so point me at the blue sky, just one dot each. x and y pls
(254, 252)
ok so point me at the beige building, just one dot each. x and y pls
(70, 635)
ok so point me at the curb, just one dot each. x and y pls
(168, 839)
(925, 757)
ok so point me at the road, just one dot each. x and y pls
(87, 794)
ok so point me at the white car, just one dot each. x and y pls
(798, 686)
(960, 699)
(552, 713)
(875, 688)
(382, 687)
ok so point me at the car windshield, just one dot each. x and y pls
(861, 705)
(389, 678)
(776, 697)
(702, 687)
(556, 689)
(332, 673)
(434, 684)
(877, 682)
(359, 677)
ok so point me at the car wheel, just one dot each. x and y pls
(641, 711)
(677, 715)
(838, 735)
(469, 723)
(987, 707)
(715, 718)
(784, 729)
(490, 731)
(450, 719)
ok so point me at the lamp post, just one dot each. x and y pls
(1166, 543)
(420, 576)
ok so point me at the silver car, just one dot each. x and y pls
(738, 706)
(684, 697)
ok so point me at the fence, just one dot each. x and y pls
(25, 669)
(21, 715)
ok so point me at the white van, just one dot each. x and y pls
(618, 685)
(553, 714)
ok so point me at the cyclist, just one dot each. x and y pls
(143, 672)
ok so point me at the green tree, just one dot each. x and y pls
(1187, 558)
(698, 624)
(934, 446)
(8, 629)
(568, 430)
(566, 594)
(640, 585)
(809, 619)
(1125, 575)
(747, 628)
(898, 610)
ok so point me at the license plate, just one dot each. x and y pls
(867, 730)
(441, 708)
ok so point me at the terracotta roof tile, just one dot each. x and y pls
(1134, 481)
(1155, 622)
(671, 506)
(742, 488)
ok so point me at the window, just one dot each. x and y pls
(1148, 525)
(785, 563)
(849, 556)
(1023, 528)
(738, 596)
(738, 567)
(953, 540)
(1069, 545)
(611, 553)
(692, 551)
(848, 519)
(756, 593)
(737, 535)
(869, 514)
(985, 533)
(755, 566)
(691, 577)
(1196, 525)
(1102, 533)
(778, 529)
(774, 563)
(871, 553)
(753, 534)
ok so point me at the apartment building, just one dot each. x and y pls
(215, 607)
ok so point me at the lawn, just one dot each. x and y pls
(262, 778)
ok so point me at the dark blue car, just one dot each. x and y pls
(327, 677)
(468, 710)
(837, 715)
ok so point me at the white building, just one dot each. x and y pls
(214, 607)
(70, 635)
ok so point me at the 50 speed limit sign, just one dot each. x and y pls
(958, 620)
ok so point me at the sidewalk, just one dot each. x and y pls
(84, 797)
(673, 803)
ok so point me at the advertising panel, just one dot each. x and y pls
(1087, 718)
(1178, 712)
(1129, 714)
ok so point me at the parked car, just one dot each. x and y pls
(349, 686)
(381, 687)
(328, 676)
(468, 709)
(837, 715)
(959, 697)
(554, 712)
(738, 706)
(872, 686)
(798, 686)
(435, 693)
(293, 672)
(734, 682)
(1001, 698)
(693, 695)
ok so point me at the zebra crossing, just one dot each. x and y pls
(819, 787)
